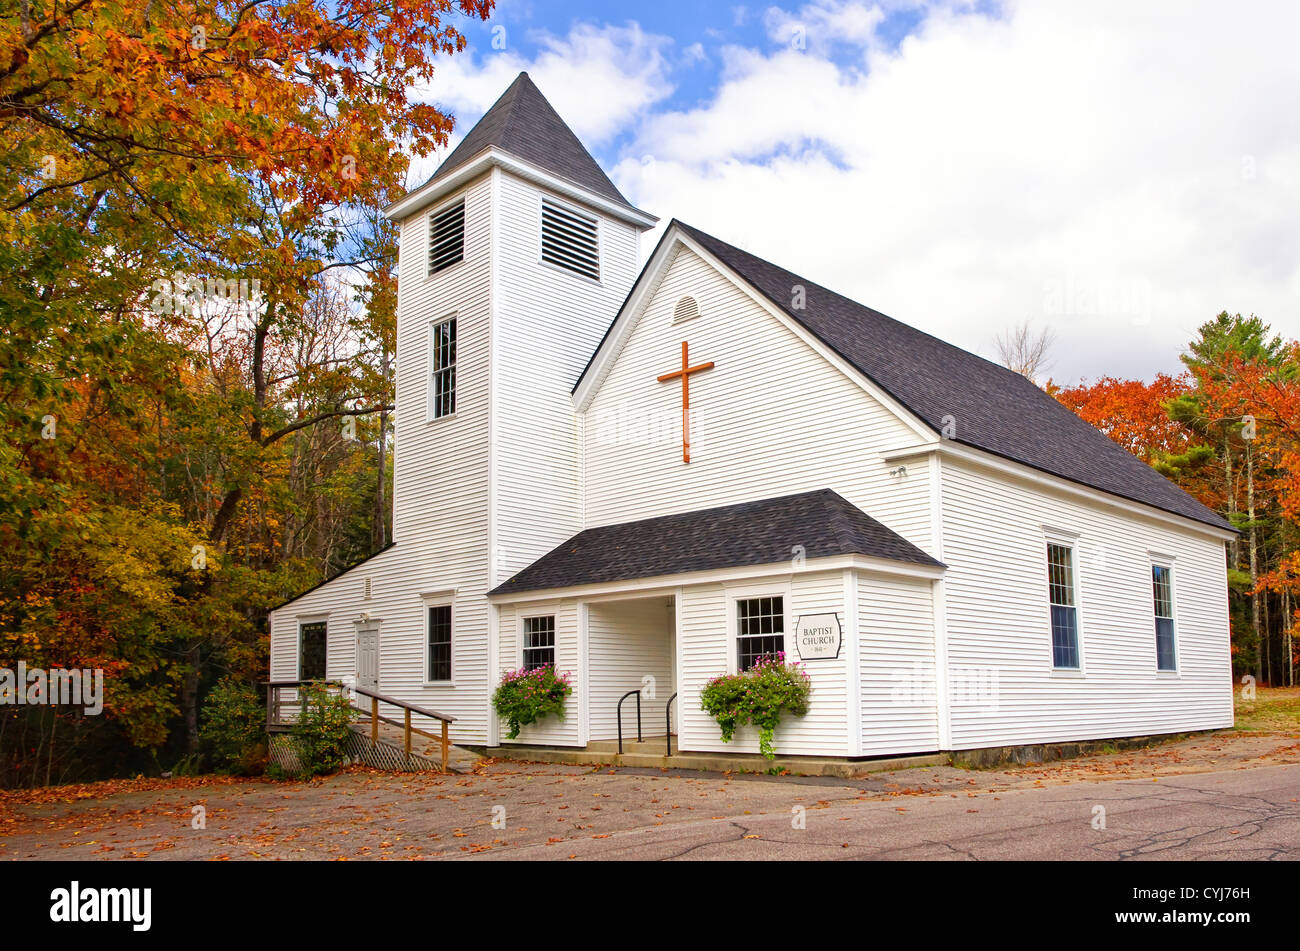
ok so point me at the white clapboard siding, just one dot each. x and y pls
(552, 730)
(481, 493)
(897, 661)
(998, 618)
(548, 323)
(628, 641)
(440, 493)
(515, 471)
(771, 418)
(338, 603)
(708, 648)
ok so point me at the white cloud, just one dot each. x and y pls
(599, 78)
(694, 54)
(1117, 172)
(817, 26)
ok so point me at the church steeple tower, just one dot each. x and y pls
(514, 258)
(522, 128)
(524, 124)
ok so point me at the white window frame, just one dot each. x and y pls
(1068, 540)
(428, 603)
(524, 618)
(748, 592)
(1166, 562)
(431, 372)
(430, 275)
(542, 200)
(300, 623)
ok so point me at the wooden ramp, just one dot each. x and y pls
(387, 751)
(377, 739)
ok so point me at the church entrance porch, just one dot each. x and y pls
(631, 660)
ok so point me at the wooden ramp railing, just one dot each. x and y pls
(282, 710)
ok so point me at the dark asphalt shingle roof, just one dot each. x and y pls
(334, 577)
(523, 123)
(994, 409)
(732, 536)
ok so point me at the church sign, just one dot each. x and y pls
(818, 636)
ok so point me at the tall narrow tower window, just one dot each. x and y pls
(447, 237)
(442, 364)
(569, 240)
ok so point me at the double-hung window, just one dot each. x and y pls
(1064, 606)
(442, 369)
(760, 629)
(311, 651)
(439, 663)
(1162, 592)
(539, 642)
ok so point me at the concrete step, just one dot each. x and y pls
(652, 745)
(713, 762)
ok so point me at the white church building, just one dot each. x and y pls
(649, 475)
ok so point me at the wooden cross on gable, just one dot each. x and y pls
(685, 374)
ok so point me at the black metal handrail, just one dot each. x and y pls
(637, 694)
(668, 723)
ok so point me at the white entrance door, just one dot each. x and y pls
(368, 658)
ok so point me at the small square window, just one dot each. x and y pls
(760, 626)
(539, 642)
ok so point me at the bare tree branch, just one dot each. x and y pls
(1022, 351)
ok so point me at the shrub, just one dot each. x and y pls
(233, 729)
(761, 696)
(525, 696)
(322, 730)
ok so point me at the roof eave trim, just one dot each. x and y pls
(491, 157)
(324, 581)
(648, 282)
(991, 460)
(654, 584)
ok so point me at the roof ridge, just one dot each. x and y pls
(523, 123)
(995, 409)
(514, 90)
(768, 531)
(728, 506)
(844, 297)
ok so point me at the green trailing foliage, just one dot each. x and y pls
(760, 696)
(526, 696)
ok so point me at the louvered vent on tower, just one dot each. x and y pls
(447, 237)
(569, 240)
(686, 309)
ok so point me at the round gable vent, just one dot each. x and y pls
(686, 309)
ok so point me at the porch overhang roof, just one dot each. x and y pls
(793, 533)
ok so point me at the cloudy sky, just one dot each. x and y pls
(1115, 172)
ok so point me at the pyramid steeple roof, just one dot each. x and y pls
(523, 123)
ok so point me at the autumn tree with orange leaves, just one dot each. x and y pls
(151, 147)
(1228, 431)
